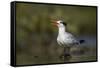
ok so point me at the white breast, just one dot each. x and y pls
(66, 39)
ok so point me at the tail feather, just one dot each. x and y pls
(82, 41)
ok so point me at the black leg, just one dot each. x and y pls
(67, 54)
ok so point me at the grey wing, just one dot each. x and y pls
(72, 38)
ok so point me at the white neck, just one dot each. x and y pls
(61, 30)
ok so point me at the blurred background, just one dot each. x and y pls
(36, 37)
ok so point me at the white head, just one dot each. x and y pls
(59, 23)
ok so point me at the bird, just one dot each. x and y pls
(65, 38)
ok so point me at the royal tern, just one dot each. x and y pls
(65, 38)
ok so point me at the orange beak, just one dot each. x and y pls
(54, 23)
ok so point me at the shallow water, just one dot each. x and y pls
(48, 51)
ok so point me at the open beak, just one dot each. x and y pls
(54, 23)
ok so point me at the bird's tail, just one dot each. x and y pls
(82, 41)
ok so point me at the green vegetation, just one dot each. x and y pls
(36, 37)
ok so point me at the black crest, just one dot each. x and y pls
(64, 23)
